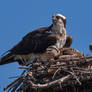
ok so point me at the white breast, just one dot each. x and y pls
(61, 39)
(60, 31)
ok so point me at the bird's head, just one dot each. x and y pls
(59, 19)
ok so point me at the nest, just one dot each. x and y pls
(69, 72)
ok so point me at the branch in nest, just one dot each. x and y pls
(53, 83)
(13, 83)
(17, 81)
(76, 60)
(24, 67)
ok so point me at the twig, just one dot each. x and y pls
(63, 58)
(56, 72)
(63, 69)
(53, 83)
(24, 67)
(14, 82)
(17, 84)
(13, 77)
(11, 84)
(75, 76)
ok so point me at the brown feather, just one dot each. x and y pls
(34, 42)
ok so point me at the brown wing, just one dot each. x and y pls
(35, 42)
(38, 31)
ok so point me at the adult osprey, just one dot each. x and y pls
(40, 40)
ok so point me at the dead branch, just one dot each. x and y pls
(50, 84)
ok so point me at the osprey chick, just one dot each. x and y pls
(90, 47)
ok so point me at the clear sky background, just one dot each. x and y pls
(18, 17)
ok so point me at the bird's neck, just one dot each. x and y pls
(57, 28)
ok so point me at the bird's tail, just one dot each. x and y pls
(8, 58)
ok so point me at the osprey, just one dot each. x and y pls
(40, 40)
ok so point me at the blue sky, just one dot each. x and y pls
(18, 17)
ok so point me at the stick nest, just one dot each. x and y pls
(69, 72)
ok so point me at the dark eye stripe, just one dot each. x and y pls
(57, 17)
